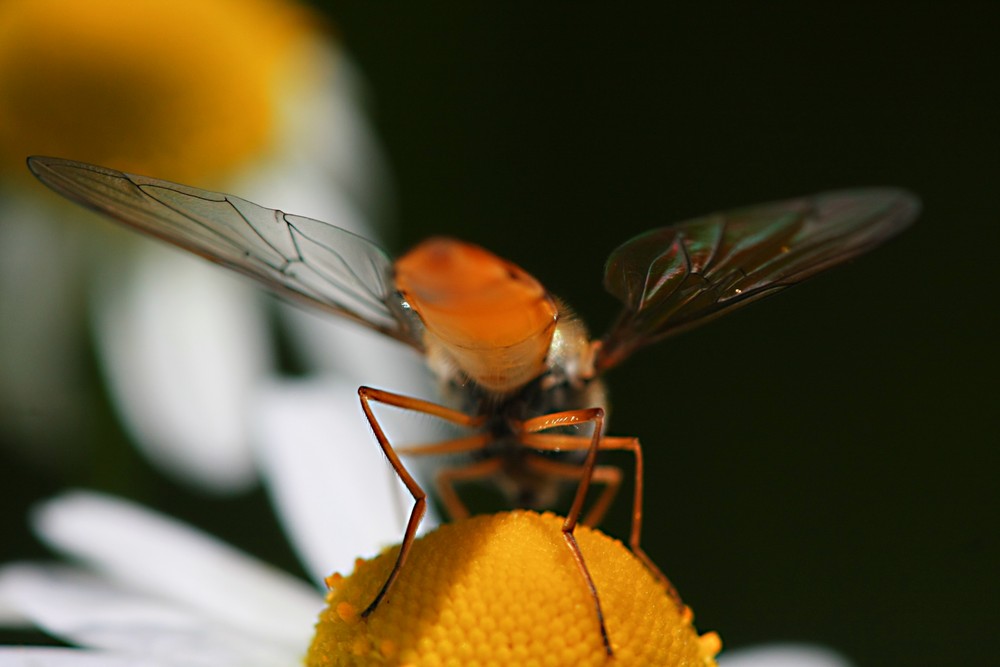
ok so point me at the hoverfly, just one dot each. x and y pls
(515, 365)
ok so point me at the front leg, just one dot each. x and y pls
(367, 395)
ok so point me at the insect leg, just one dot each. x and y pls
(610, 476)
(455, 446)
(561, 442)
(632, 445)
(568, 418)
(367, 394)
(452, 503)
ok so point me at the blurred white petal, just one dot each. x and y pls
(337, 495)
(15, 656)
(347, 147)
(782, 655)
(148, 598)
(157, 555)
(353, 353)
(328, 164)
(183, 343)
(43, 400)
(11, 617)
(92, 612)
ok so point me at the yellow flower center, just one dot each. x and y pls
(184, 90)
(503, 589)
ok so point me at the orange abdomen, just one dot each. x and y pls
(493, 319)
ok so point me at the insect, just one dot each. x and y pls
(516, 367)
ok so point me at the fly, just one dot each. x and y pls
(515, 365)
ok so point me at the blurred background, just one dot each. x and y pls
(820, 465)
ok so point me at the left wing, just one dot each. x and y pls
(307, 260)
(674, 278)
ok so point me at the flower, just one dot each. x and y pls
(254, 97)
(147, 590)
(504, 589)
(157, 589)
(153, 591)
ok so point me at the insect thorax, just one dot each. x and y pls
(561, 387)
(567, 382)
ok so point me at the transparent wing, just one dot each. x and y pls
(304, 259)
(674, 278)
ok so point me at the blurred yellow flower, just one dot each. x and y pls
(248, 96)
(181, 89)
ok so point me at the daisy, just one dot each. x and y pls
(146, 590)
(183, 344)
(252, 97)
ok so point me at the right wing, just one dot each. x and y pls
(306, 260)
(674, 278)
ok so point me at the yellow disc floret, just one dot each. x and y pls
(504, 590)
(185, 90)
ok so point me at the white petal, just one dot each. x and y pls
(336, 493)
(328, 138)
(43, 394)
(32, 656)
(328, 165)
(94, 613)
(158, 555)
(782, 655)
(360, 355)
(298, 187)
(11, 617)
(359, 165)
(182, 343)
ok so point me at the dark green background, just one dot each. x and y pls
(822, 466)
